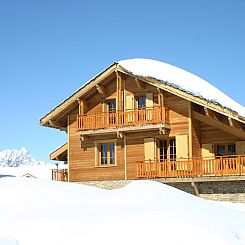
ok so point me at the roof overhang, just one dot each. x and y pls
(60, 154)
(71, 101)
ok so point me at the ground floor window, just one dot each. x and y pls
(225, 149)
(167, 149)
(106, 154)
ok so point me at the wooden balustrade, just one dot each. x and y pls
(123, 118)
(221, 166)
(59, 174)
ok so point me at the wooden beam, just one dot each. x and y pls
(190, 129)
(230, 122)
(101, 89)
(83, 138)
(140, 84)
(68, 148)
(160, 96)
(210, 113)
(58, 125)
(162, 131)
(236, 124)
(119, 92)
(194, 185)
(119, 135)
(218, 124)
(55, 155)
(68, 102)
(125, 157)
(82, 105)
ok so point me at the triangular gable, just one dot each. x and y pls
(72, 100)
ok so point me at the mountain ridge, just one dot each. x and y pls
(16, 158)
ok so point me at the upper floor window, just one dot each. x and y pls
(141, 103)
(111, 106)
(225, 149)
(111, 110)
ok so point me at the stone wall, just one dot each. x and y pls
(233, 191)
(108, 185)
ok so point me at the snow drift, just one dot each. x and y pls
(144, 212)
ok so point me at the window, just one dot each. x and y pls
(225, 149)
(141, 101)
(172, 149)
(167, 150)
(112, 110)
(106, 154)
(112, 106)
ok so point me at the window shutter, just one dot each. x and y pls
(149, 145)
(129, 107)
(207, 150)
(129, 102)
(104, 106)
(182, 147)
(149, 105)
(149, 100)
(240, 147)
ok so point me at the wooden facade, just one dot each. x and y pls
(123, 127)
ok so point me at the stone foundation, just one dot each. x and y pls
(108, 185)
(232, 191)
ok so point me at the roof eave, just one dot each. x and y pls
(44, 121)
(195, 99)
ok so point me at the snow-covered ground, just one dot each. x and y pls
(37, 212)
(39, 171)
(16, 162)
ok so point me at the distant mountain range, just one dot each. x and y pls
(16, 158)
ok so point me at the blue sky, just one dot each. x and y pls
(50, 48)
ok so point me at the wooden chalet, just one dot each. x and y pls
(123, 126)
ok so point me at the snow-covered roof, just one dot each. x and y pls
(182, 80)
(165, 74)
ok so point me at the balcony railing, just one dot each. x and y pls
(123, 118)
(221, 166)
(59, 174)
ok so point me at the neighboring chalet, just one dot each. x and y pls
(142, 118)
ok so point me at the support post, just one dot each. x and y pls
(193, 184)
(81, 106)
(68, 148)
(119, 91)
(190, 130)
(125, 158)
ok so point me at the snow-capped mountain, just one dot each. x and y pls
(16, 158)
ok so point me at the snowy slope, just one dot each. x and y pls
(38, 171)
(15, 158)
(181, 79)
(144, 212)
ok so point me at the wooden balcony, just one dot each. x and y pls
(220, 166)
(123, 118)
(59, 174)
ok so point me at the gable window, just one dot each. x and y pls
(225, 149)
(106, 154)
(111, 105)
(141, 101)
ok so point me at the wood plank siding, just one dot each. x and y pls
(128, 122)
